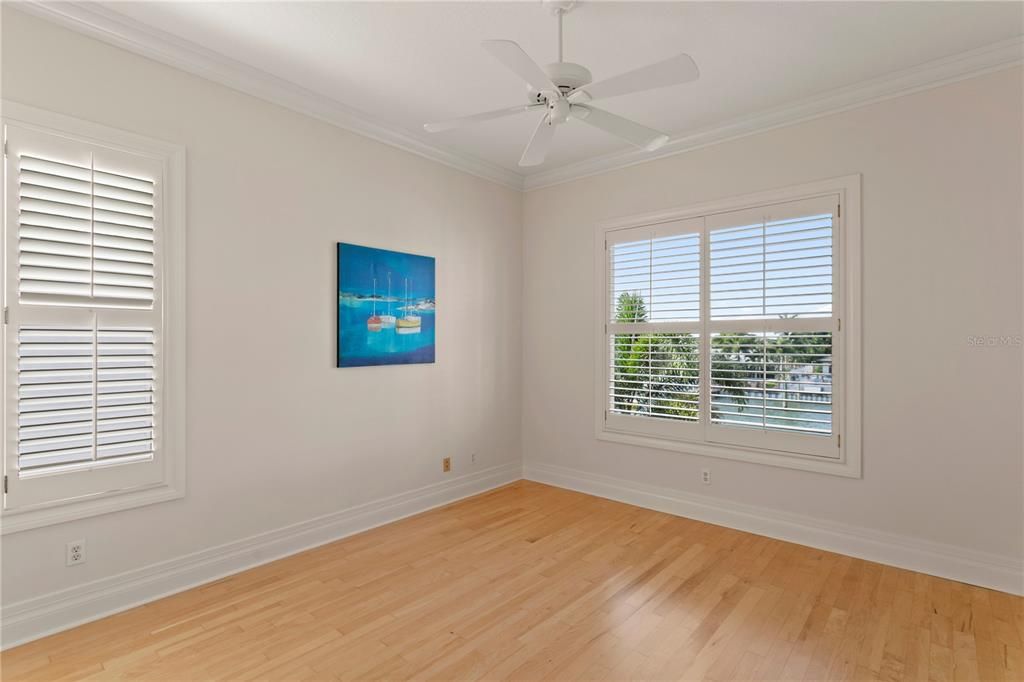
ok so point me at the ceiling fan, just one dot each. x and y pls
(564, 90)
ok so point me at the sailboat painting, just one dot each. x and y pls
(386, 307)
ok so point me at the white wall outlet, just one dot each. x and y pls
(705, 476)
(472, 458)
(76, 552)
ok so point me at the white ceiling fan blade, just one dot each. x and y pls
(678, 69)
(634, 133)
(520, 63)
(539, 143)
(476, 118)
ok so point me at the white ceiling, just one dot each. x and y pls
(404, 64)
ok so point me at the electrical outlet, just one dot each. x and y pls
(446, 464)
(472, 458)
(705, 476)
(75, 552)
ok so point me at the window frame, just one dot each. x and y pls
(98, 490)
(847, 408)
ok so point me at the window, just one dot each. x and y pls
(93, 344)
(730, 329)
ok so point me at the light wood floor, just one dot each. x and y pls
(531, 582)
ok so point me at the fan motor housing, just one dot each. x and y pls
(566, 75)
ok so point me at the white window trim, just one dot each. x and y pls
(172, 483)
(848, 417)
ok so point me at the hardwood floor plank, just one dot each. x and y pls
(532, 582)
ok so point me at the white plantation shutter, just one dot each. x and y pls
(779, 381)
(125, 374)
(661, 271)
(56, 396)
(85, 235)
(85, 396)
(773, 267)
(123, 239)
(653, 330)
(54, 230)
(655, 374)
(771, 327)
(85, 319)
(722, 329)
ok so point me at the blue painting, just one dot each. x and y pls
(385, 307)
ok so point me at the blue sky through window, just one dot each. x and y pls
(765, 270)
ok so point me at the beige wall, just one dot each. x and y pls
(942, 260)
(277, 434)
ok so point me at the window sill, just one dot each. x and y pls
(847, 465)
(14, 521)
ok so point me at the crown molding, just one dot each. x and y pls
(115, 29)
(994, 57)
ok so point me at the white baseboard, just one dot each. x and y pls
(947, 561)
(30, 619)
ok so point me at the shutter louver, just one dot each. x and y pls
(772, 269)
(84, 395)
(656, 280)
(85, 236)
(123, 248)
(656, 375)
(54, 231)
(654, 352)
(778, 381)
(56, 396)
(125, 379)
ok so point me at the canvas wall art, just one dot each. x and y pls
(386, 307)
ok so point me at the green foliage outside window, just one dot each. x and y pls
(657, 373)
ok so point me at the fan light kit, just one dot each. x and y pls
(564, 91)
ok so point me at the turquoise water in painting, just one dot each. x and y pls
(365, 276)
(359, 346)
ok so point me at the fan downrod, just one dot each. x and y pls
(559, 6)
(566, 75)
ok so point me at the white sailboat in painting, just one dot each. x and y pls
(373, 323)
(388, 321)
(408, 323)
